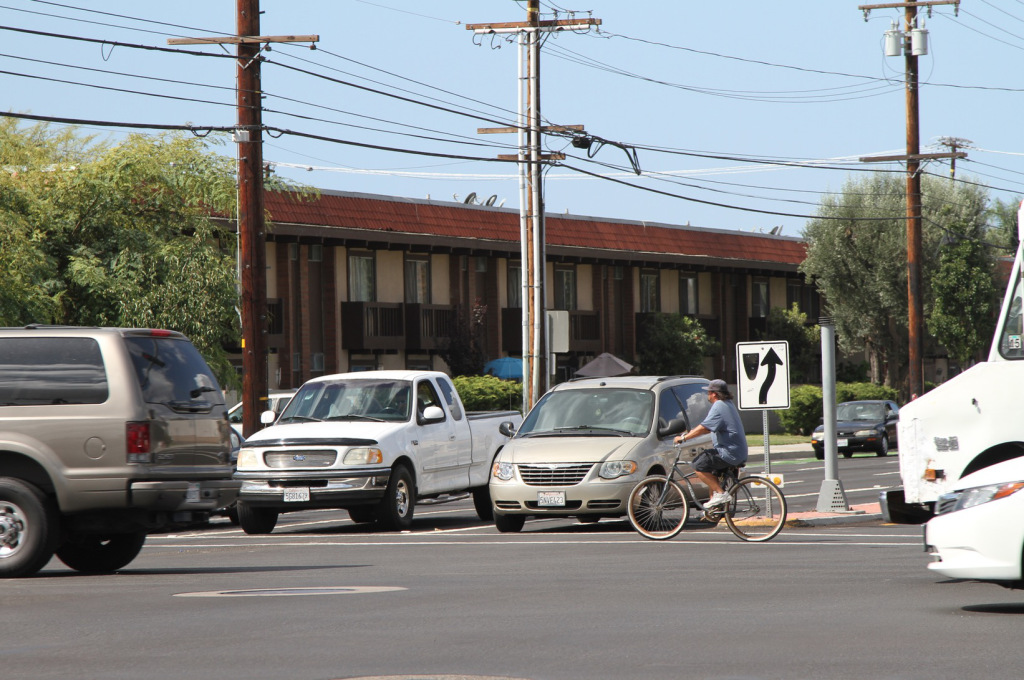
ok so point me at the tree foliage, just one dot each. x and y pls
(857, 256)
(804, 341)
(671, 344)
(118, 235)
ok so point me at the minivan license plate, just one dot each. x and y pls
(551, 499)
(296, 494)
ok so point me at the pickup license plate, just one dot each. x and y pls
(551, 499)
(296, 494)
(842, 443)
(192, 493)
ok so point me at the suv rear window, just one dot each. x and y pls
(172, 370)
(36, 371)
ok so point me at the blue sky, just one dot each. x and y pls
(717, 94)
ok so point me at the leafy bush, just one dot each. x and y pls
(487, 393)
(805, 403)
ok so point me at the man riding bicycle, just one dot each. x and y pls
(727, 437)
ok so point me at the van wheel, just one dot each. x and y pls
(28, 529)
(100, 553)
(399, 502)
(509, 524)
(256, 520)
(482, 503)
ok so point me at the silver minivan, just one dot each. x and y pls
(106, 434)
(586, 443)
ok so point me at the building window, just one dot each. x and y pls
(316, 253)
(362, 277)
(565, 286)
(515, 284)
(417, 280)
(650, 290)
(759, 299)
(318, 361)
(688, 294)
(480, 265)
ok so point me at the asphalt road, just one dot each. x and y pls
(322, 598)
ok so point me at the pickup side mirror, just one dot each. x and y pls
(507, 428)
(431, 414)
(268, 417)
(674, 426)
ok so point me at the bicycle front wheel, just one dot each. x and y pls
(657, 508)
(756, 509)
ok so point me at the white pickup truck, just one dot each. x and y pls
(374, 443)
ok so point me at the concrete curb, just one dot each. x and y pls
(833, 520)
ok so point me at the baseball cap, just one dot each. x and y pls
(716, 386)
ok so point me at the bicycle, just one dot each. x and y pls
(658, 508)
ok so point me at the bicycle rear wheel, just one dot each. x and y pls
(657, 508)
(756, 511)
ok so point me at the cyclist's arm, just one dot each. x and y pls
(695, 432)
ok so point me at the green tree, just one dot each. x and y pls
(671, 344)
(1002, 229)
(119, 234)
(857, 255)
(804, 341)
(965, 280)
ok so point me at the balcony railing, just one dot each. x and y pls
(584, 331)
(428, 327)
(372, 326)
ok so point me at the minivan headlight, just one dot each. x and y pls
(503, 470)
(611, 469)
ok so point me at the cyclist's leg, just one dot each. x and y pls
(657, 508)
(757, 509)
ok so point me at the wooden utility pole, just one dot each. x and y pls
(913, 159)
(536, 372)
(252, 251)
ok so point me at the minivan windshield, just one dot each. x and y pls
(374, 400)
(591, 412)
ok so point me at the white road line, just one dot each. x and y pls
(335, 543)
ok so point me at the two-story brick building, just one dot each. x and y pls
(359, 281)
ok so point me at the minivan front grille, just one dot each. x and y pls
(317, 458)
(554, 474)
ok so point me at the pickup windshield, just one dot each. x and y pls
(586, 412)
(352, 400)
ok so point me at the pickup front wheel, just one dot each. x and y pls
(396, 508)
(256, 520)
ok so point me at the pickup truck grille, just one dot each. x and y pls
(555, 474)
(317, 458)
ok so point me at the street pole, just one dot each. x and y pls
(831, 497)
(914, 303)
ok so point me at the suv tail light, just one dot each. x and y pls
(137, 443)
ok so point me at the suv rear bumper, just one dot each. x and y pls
(180, 495)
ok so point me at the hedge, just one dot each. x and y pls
(487, 393)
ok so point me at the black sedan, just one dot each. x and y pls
(861, 426)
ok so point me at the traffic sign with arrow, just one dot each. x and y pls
(763, 377)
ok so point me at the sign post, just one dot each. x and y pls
(762, 383)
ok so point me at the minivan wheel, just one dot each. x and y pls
(100, 553)
(509, 524)
(482, 503)
(28, 529)
(256, 520)
(399, 502)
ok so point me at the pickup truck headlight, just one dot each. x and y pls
(247, 459)
(503, 470)
(612, 469)
(363, 455)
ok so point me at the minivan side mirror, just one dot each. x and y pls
(507, 428)
(268, 417)
(674, 426)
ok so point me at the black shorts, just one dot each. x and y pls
(709, 460)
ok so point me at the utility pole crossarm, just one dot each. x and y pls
(244, 39)
(912, 157)
(551, 25)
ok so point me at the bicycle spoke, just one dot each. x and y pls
(757, 510)
(657, 508)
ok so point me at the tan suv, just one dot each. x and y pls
(105, 435)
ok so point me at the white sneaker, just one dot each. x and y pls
(717, 498)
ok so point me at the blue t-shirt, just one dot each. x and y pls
(727, 435)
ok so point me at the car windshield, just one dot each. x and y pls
(854, 411)
(355, 400)
(586, 412)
